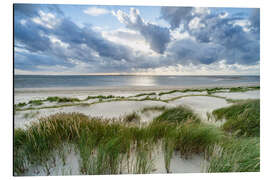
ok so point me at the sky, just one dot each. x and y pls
(139, 40)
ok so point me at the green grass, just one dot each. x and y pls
(145, 94)
(153, 108)
(177, 115)
(133, 117)
(35, 102)
(20, 104)
(31, 114)
(109, 98)
(242, 118)
(236, 155)
(213, 90)
(104, 145)
(244, 89)
(111, 142)
(103, 97)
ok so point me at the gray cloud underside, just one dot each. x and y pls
(219, 39)
(158, 37)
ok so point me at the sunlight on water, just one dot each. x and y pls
(143, 81)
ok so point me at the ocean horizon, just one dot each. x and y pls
(72, 81)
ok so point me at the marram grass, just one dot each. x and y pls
(106, 146)
(242, 118)
(236, 155)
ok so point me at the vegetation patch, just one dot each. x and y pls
(36, 102)
(145, 94)
(104, 144)
(153, 108)
(242, 118)
(244, 89)
(133, 117)
(236, 155)
(103, 97)
(178, 115)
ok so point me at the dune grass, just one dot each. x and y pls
(132, 117)
(242, 118)
(181, 90)
(244, 89)
(109, 143)
(213, 90)
(177, 115)
(109, 98)
(153, 108)
(105, 146)
(35, 102)
(145, 94)
(236, 155)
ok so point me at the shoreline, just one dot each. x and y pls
(102, 89)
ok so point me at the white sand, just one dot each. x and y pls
(56, 165)
(193, 164)
(114, 109)
(177, 94)
(201, 104)
(148, 116)
(240, 95)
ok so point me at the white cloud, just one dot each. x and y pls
(201, 11)
(176, 34)
(195, 23)
(56, 41)
(130, 38)
(217, 68)
(47, 20)
(245, 24)
(94, 11)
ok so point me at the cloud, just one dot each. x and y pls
(176, 15)
(220, 36)
(94, 11)
(255, 20)
(217, 68)
(56, 44)
(47, 40)
(158, 37)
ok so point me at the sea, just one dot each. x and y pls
(88, 81)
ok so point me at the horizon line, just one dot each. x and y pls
(136, 74)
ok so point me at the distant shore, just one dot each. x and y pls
(125, 88)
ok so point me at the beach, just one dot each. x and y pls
(115, 104)
(133, 99)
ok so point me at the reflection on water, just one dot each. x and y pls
(35, 81)
(143, 81)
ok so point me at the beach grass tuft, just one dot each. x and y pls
(35, 102)
(242, 118)
(178, 115)
(133, 117)
(236, 155)
(106, 146)
(145, 94)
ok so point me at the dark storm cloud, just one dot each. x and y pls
(31, 10)
(239, 45)
(255, 20)
(187, 50)
(158, 37)
(176, 15)
(35, 37)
